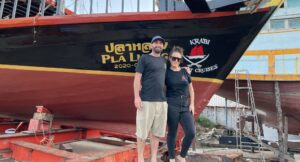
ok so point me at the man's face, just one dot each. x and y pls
(157, 46)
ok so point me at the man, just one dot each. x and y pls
(150, 99)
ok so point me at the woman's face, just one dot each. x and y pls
(175, 59)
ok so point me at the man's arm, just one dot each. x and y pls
(137, 88)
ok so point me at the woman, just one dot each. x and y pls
(180, 94)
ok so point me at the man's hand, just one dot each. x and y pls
(188, 70)
(192, 109)
(138, 103)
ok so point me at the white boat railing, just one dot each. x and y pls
(28, 8)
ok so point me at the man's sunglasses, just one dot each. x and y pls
(176, 59)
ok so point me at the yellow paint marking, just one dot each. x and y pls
(272, 52)
(218, 81)
(95, 72)
(273, 3)
(64, 70)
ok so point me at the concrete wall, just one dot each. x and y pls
(218, 116)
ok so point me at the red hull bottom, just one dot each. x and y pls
(101, 101)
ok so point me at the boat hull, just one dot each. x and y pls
(78, 98)
(81, 67)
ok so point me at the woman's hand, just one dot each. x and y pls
(192, 109)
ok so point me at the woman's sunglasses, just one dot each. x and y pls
(176, 59)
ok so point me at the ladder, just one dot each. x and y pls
(242, 116)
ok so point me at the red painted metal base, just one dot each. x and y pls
(32, 146)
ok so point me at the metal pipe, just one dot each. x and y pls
(58, 3)
(75, 7)
(174, 5)
(106, 9)
(15, 9)
(62, 7)
(138, 5)
(122, 6)
(43, 3)
(2, 8)
(167, 7)
(28, 8)
(91, 7)
(154, 5)
(57, 12)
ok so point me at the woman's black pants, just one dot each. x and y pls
(185, 118)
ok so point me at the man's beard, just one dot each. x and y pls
(157, 49)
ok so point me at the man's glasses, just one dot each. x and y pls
(176, 59)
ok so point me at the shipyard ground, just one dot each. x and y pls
(207, 147)
(247, 157)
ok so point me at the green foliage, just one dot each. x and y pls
(204, 122)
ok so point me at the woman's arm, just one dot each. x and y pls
(192, 98)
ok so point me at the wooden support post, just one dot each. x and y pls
(286, 133)
(226, 112)
(280, 122)
(215, 114)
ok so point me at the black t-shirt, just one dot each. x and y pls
(177, 83)
(153, 71)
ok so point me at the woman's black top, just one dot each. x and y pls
(177, 83)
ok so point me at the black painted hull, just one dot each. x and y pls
(82, 46)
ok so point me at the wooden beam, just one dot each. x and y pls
(279, 122)
(285, 138)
